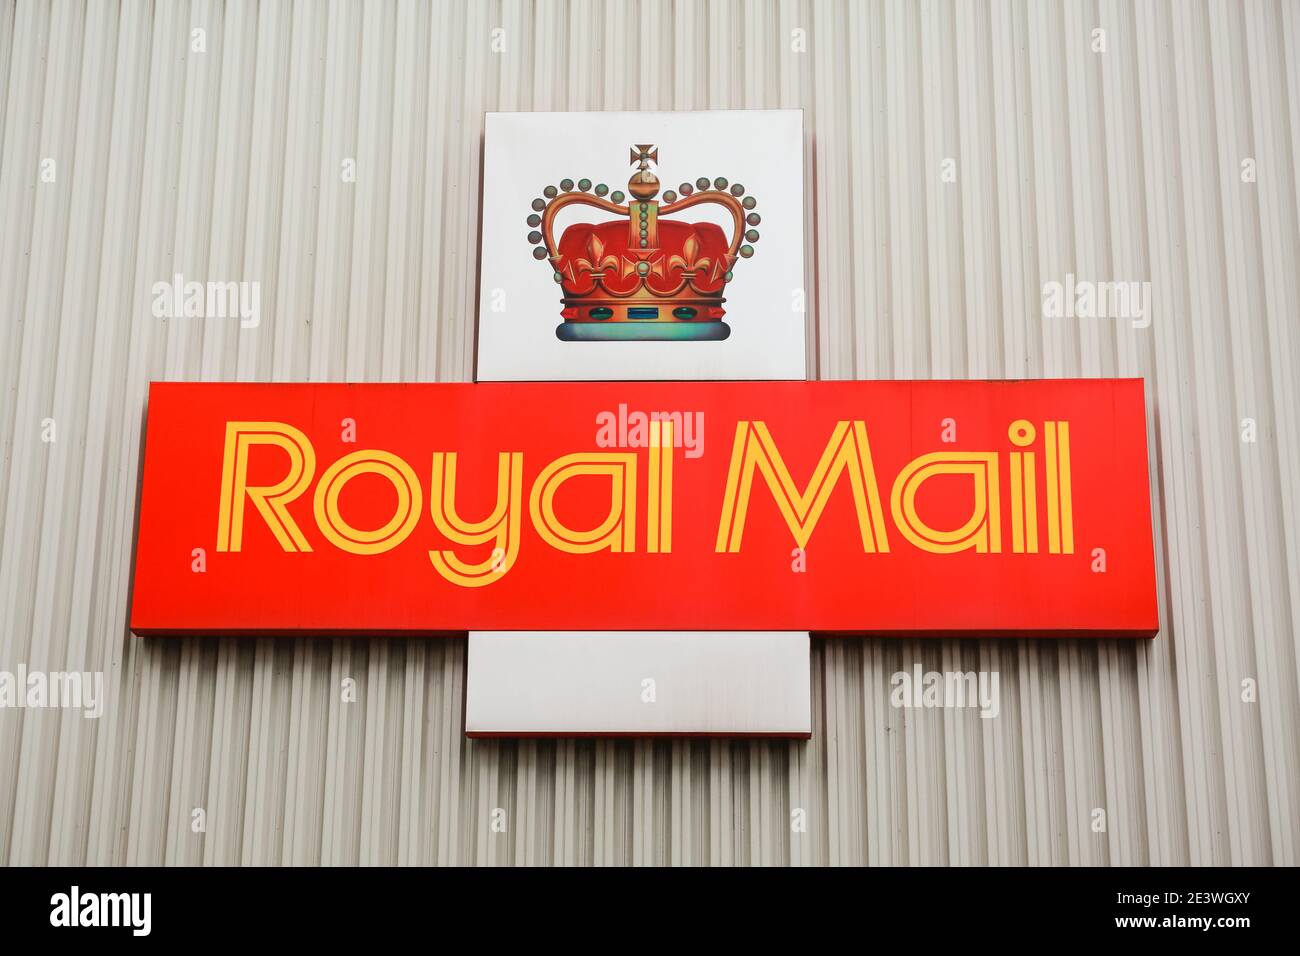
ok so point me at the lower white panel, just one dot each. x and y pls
(568, 683)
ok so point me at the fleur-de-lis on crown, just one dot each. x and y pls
(690, 259)
(599, 262)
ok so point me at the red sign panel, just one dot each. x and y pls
(940, 508)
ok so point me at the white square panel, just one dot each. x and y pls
(522, 334)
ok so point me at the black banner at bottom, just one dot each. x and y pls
(333, 906)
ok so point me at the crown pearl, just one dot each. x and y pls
(550, 192)
(746, 251)
(753, 219)
(539, 252)
(534, 220)
(737, 190)
(584, 184)
(670, 196)
(752, 235)
(719, 183)
(601, 189)
(702, 182)
(539, 204)
(749, 202)
(566, 184)
(535, 237)
(686, 189)
(616, 196)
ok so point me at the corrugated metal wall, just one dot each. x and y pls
(1124, 164)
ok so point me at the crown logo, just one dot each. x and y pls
(643, 276)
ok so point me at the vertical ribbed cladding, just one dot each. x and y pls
(1124, 164)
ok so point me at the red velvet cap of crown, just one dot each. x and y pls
(685, 250)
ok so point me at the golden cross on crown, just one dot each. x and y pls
(645, 155)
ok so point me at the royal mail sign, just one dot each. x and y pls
(937, 508)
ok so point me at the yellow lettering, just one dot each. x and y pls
(617, 532)
(270, 500)
(982, 531)
(847, 450)
(659, 499)
(1024, 489)
(501, 526)
(1060, 506)
(393, 532)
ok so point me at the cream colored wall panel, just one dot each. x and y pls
(227, 164)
